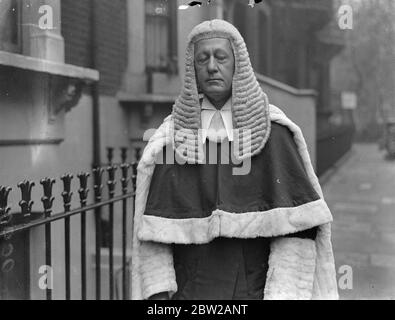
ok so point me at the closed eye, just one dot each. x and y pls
(201, 58)
(221, 56)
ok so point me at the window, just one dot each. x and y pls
(9, 25)
(161, 35)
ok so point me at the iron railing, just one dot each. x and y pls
(25, 220)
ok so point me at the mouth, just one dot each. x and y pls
(214, 80)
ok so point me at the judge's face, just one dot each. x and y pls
(214, 66)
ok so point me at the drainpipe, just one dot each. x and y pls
(95, 90)
(96, 161)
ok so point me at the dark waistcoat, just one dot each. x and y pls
(224, 269)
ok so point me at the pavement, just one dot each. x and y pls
(361, 196)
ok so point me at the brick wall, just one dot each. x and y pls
(111, 38)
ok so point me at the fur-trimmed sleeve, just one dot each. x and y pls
(292, 264)
(152, 263)
(324, 284)
(156, 269)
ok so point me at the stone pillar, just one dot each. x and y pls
(41, 21)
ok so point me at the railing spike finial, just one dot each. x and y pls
(26, 203)
(111, 179)
(47, 199)
(125, 180)
(110, 155)
(124, 154)
(4, 208)
(83, 190)
(98, 186)
(67, 193)
(134, 175)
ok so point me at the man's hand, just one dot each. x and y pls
(160, 296)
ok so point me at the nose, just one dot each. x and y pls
(212, 65)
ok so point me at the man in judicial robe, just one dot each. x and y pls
(252, 224)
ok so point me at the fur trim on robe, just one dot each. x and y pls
(298, 268)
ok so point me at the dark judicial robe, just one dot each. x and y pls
(229, 268)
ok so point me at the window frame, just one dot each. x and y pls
(172, 47)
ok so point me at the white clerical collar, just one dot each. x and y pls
(208, 111)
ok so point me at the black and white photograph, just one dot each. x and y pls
(215, 151)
